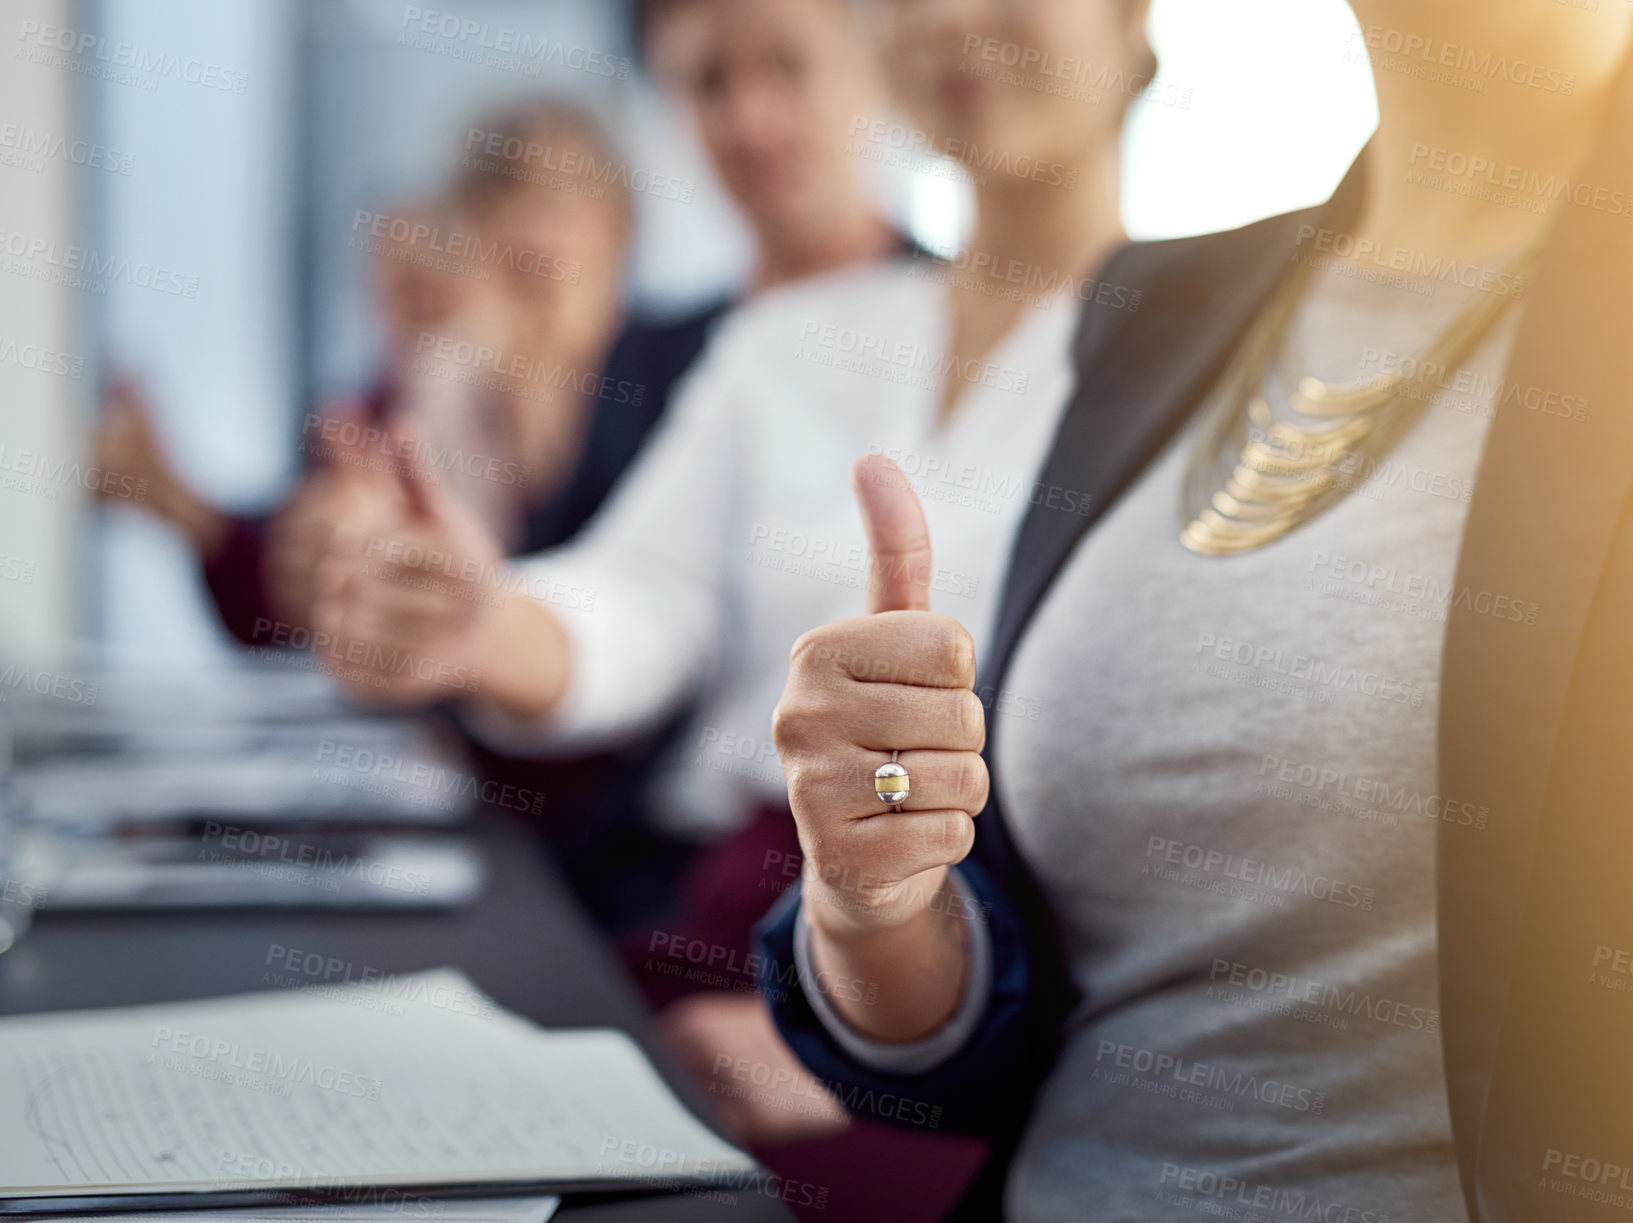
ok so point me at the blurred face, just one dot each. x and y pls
(415, 294)
(1041, 81)
(556, 249)
(774, 86)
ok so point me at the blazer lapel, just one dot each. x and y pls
(1140, 376)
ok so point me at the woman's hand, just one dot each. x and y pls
(418, 600)
(731, 1046)
(300, 536)
(128, 444)
(897, 679)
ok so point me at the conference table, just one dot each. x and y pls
(525, 941)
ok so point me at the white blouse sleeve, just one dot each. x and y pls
(640, 592)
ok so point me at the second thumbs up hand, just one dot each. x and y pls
(876, 892)
(413, 600)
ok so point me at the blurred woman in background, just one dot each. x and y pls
(696, 581)
(525, 267)
(773, 91)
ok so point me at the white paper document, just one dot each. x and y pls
(415, 1080)
(455, 1210)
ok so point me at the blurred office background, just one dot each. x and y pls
(242, 184)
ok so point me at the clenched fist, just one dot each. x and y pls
(897, 679)
(418, 597)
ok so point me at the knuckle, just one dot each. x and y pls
(785, 727)
(972, 783)
(809, 778)
(795, 723)
(958, 652)
(803, 787)
(799, 655)
(970, 717)
(950, 835)
(813, 649)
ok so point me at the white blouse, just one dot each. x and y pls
(735, 531)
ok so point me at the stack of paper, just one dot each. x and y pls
(460, 1210)
(409, 1082)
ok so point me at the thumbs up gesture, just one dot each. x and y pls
(406, 587)
(299, 536)
(899, 679)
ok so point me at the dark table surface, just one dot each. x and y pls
(525, 942)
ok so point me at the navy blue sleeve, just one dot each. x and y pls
(632, 395)
(984, 1088)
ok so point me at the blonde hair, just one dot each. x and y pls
(519, 131)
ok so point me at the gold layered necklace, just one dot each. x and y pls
(1253, 479)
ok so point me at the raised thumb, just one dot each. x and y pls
(898, 536)
(417, 477)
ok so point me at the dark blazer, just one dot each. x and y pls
(1535, 723)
